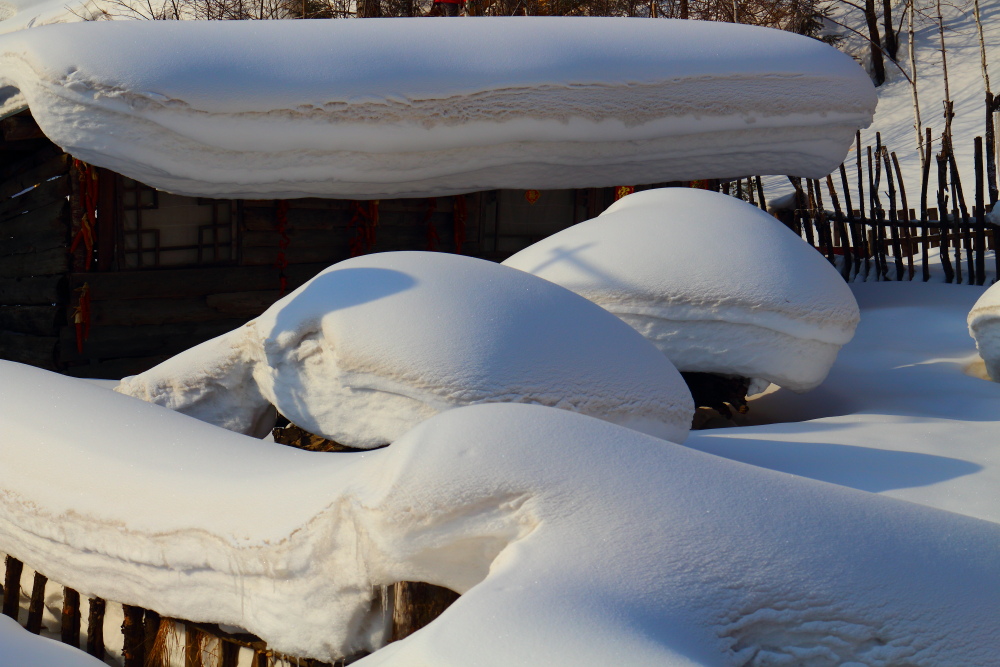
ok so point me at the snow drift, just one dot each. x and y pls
(573, 541)
(717, 284)
(372, 346)
(984, 326)
(420, 107)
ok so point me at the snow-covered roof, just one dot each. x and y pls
(717, 284)
(420, 107)
(573, 541)
(374, 345)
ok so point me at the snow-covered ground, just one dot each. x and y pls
(527, 510)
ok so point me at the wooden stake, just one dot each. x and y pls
(893, 216)
(134, 647)
(417, 604)
(12, 587)
(95, 628)
(37, 605)
(845, 241)
(980, 215)
(908, 214)
(924, 240)
(69, 626)
(942, 199)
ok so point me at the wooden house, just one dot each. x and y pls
(102, 276)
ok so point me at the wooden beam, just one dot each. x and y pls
(46, 193)
(181, 283)
(42, 229)
(32, 350)
(20, 128)
(52, 166)
(45, 263)
(45, 290)
(34, 320)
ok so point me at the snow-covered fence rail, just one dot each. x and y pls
(890, 240)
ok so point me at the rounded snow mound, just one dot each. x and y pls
(984, 327)
(374, 345)
(716, 284)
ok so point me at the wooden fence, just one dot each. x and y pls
(889, 240)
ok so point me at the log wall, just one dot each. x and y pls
(35, 185)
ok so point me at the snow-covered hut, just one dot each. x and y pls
(224, 163)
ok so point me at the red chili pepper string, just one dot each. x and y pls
(81, 316)
(88, 201)
(364, 223)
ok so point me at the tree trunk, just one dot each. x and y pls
(878, 64)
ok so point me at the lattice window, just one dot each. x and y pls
(161, 229)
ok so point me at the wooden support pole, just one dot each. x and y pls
(37, 605)
(925, 176)
(908, 215)
(417, 604)
(893, 216)
(95, 628)
(980, 215)
(942, 200)
(259, 658)
(12, 587)
(134, 647)
(230, 654)
(151, 623)
(70, 623)
(845, 241)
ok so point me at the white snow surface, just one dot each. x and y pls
(715, 283)
(984, 326)
(905, 411)
(574, 541)
(373, 345)
(420, 107)
(23, 649)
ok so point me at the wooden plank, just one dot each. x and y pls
(242, 304)
(29, 162)
(32, 291)
(12, 582)
(20, 128)
(32, 350)
(120, 342)
(53, 166)
(263, 219)
(140, 312)
(69, 626)
(46, 216)
(37, 604)
(32, 241)
(115, 369)
(44, 263)
(46, 193)
(297, 254)
(181, 283)
(34, 320)
(329, 241)
(95, 628)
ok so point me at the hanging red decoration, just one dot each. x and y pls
(81, 316)
(281, 263)
(623, 191)
(364, 222)
(700, 184)
(88, 202)
(531, 196)
(461, 214)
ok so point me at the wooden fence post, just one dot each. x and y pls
(95, 628)
(417, 604)
(70, 624)
(133, 649)
(980, 215)
(37, 605)
(12, 587)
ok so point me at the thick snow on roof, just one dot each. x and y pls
(374, 345)
(984, 326)
(573, 541)
(420, 107)
(717, 284)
